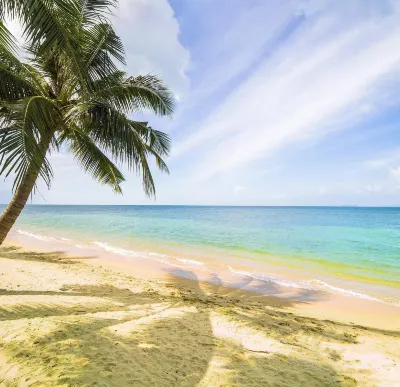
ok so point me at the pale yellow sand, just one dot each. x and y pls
(67, 322)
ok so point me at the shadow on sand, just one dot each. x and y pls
(141, 341)
(103, 335)
(15, 252)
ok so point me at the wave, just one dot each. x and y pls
(314, 284)
(82, 246)
(266, 278)
(350, 292)
(115, 249)
(36, 236)
(307, 285)
(43, 238)
(130, 253)
(183, 260)
(190, 261)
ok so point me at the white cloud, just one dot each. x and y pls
(322, 190)
(373, 188)
(395, 172)
(150, 34)
(318, 81)
(238, 189)
(254, 96)
(15, 28)
(384, 161)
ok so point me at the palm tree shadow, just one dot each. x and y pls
(149, 342)
(124, 338)
(239, 366)
(251, 291)
(276, 369)
(60, 257)
(98, 298)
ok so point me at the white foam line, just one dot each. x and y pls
(334, 289)
(115, 250)
(257, 276)
(183, 260)
(36, 236)
(190, 261)
(265, 278)
(351, 293)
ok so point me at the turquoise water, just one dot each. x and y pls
(360, 243)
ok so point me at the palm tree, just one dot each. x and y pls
(71, 94)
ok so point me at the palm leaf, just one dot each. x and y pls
(157, 141)
(52, 28)
(7, 40)
(93, 160)
(95, 10)
(71, 91)
(21, 146)
(101, 45)
(143, 93)
(14, 86)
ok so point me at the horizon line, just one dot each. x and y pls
(215, 205)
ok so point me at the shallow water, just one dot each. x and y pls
(355, 251)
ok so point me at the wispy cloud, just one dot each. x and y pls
(384, 161)
(319, 80)
(266, 91)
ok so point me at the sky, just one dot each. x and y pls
(278, 103)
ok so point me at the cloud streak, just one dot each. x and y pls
(286, 102)
(319, 80)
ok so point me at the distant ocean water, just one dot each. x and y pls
(358, 249)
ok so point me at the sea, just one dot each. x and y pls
(353, 251)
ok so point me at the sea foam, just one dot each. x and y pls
(115, 249)
(36, 236)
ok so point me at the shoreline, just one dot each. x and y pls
(308, 274)
(83, 321)
(320, 304)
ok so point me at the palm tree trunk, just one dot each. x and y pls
(21, 195)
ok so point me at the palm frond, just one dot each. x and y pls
(152, 94)
(14, 86)
(50, 23)
(72, 91)
(158, 141)
(24, 143)
(101, 46)
(95, 10)
(19, 80)
(7, 40)
(11, 8)
(93, 160)
(52, 28)
(128, 142)
(143, 93)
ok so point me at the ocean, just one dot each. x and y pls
(351, 250)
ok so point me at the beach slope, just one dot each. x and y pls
(68, 321)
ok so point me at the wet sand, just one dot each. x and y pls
(85, 321)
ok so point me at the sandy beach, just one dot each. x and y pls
(82, 321)
(270, 257)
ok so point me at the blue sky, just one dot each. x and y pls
(279, 103)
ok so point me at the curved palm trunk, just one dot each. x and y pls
(21, 196)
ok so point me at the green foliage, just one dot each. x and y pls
(71, 93)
